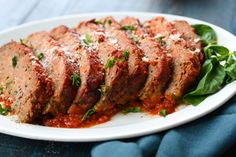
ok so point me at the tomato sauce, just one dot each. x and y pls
(75, 115)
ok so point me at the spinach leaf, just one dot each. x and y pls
(220, 52)
(230, 67)
(212, 78)
(206, 33)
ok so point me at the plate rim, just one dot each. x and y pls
(114, 136)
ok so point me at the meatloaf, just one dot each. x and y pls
(159, 69)
(114, 62)
(24, 82)
(186, 64)
(92, 71)
(137, 68)
(59, 67)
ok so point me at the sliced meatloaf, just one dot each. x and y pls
(159, 63)
(137, 68)
(63, 71)
(188, 33)
(24, 84)
(92, 72)
(186, 63)
(114, 62)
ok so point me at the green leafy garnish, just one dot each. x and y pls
(40, 55)
(135, 39)
(212, 51)
(14, 61)
(26, 45)
(230, 67)
(1, 89)
(88, 114)
(109, 21)
(211, 79)
(4, 111)
(132, 109)
(125, 54)
(75, 78)
(161, 41)
(110, 63)
(206, 33)
(87, 39)
(126, 27)
(97, 22)
(218, 69)
(8, 83)
(15, 92)
(163, 112)
(103, 89)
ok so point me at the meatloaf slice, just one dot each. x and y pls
(59, 67)
(137, 68)
(159, 63)
(92, 72)
(115, 65)
(189, 35)
(186, 63)
(25, 85)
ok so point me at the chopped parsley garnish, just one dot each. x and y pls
(14, 61)
(132, 109)
(4, 111)
(87, 39)
(8, 82)
(1, 89)
(110, 63)
(26, 45)
(163, 112)
(97, 22)
(88, 114)
(15, 92)
(135, 39)
(161, 41)
(109, 21)
(103, 89)
(124, 57)
(126, 27)
(125, 54)
(75, 78)
(40, 55)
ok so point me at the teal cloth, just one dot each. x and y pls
(209, 136)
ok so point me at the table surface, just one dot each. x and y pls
(16, 12)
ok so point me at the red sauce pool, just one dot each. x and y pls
(74, 118)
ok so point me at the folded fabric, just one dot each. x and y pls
(209, 136)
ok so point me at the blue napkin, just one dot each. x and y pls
(209, 136)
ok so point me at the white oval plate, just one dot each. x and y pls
(121, 126)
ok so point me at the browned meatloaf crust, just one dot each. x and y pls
(59, 67)
(24, 81)
(137, 68)
(186, 63)
(156, 57)
(116, 75)
(189, 35)
(92, 72)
